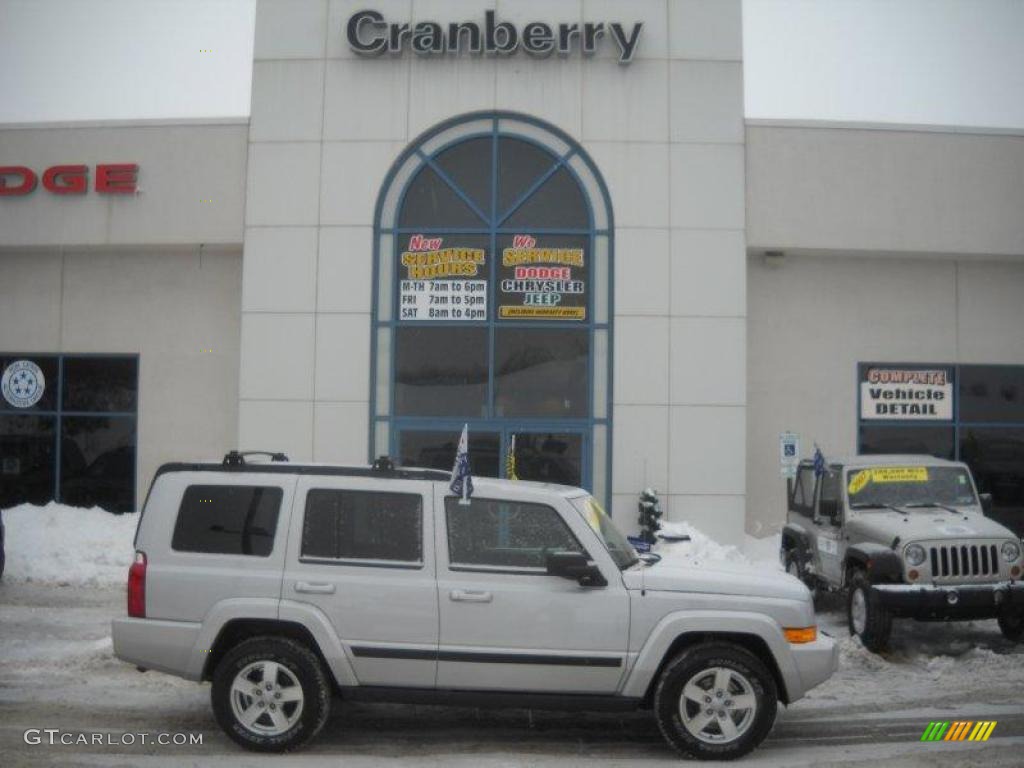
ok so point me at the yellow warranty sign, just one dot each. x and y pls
(858, 481)
(887, 475)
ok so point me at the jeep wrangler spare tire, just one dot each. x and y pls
(270, 694)
(715, 701)
(867, 617)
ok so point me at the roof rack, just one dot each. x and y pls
(237, 458)
(234, 461)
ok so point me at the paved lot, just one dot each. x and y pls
(56, 671)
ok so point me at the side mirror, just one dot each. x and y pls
(575, 566)
(986, 502)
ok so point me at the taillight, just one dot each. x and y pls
(137, 587)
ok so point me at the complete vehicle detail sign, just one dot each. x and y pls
(370, 34)
(910, 394)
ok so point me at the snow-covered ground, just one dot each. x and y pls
(64, 582)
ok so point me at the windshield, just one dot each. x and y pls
(880, 487)
(618, 547)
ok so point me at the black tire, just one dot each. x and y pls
(1012, 625)
(877, 624)
(687, 666)
(302, 664)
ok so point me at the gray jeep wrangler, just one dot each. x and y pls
(905, 537)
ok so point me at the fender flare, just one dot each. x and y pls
(677, 624)
(320, 627)
(795, 537)
(881, 564)
(270, 609)
(215, 620)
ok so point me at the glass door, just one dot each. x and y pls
(555, 454)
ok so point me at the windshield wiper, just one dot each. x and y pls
(930, 505)
(875, 505)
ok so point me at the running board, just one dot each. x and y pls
(568, 702)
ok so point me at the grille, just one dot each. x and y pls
(964, 560)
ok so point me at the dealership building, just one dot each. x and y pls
(547, 220)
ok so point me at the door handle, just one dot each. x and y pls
(470, 596)
(316, 589)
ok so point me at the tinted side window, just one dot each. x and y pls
(505, 533)
(362, 525)
(227, 520)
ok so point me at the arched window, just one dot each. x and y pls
(493, 269)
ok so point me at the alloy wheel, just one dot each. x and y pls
(717, 705)
(266, 698)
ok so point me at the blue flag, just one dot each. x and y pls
(462, 480)
(819, 461)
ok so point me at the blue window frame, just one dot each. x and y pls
(983, 427)
(74, 439)
(493, 252)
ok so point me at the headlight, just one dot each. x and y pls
(914, 554)
(1011, 551)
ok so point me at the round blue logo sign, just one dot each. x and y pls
(23, 384)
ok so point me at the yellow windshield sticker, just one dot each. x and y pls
(887, 475)
(900, 475)
(593, 514)
(858, 481)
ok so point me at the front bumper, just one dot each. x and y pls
(934, 602)
(815, 662)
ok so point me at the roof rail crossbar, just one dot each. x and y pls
(237, 458)
(384, 464)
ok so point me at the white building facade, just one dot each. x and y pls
(546, 220)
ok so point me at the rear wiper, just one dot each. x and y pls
(930, 505)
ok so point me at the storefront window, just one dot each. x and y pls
(493, 303)
(541, 373)
(436, 450)
(930, 441)
(996, 456)
(28, 453)
(992, 393)
(973, 413)
(432, 380)
(68, 430)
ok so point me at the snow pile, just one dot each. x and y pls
(702, 548)
(57, 544)
(925, 661)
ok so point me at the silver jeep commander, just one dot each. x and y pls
(907, 537)
(291, 586)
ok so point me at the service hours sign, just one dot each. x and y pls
(438, 282)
